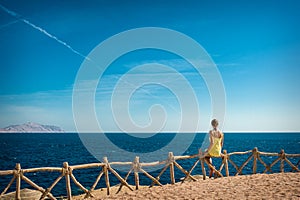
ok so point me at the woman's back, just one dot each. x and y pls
(216, 136)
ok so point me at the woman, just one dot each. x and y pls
(216, 138)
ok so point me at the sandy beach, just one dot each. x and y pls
(259, 186)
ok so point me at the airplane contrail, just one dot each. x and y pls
(55, 38)
(12, 13)
(19, 17)
(8, 24)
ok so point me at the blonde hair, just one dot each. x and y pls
(214, 122)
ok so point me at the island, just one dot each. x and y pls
(31, 127)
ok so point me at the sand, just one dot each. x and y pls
(259, 186)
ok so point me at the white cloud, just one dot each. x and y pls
(55, 107)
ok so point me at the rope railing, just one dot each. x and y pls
(137, 168)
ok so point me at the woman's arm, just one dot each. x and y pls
(210, 141)
(222, 142)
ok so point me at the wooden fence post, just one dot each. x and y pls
(255, 153)
(18, 181)
(67, 176)
(226, 162)
(105, 170)
(171, 162)
(201, 158)
(136, 168)
(203, 168)
(282, 156)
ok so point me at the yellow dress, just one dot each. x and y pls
(215, 150)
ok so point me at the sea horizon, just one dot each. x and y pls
(166, 132)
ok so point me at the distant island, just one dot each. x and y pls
(31, 127)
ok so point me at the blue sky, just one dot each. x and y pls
(255, 45)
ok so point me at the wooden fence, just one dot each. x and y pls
(136, 167)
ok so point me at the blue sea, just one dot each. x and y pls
(51, 150)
